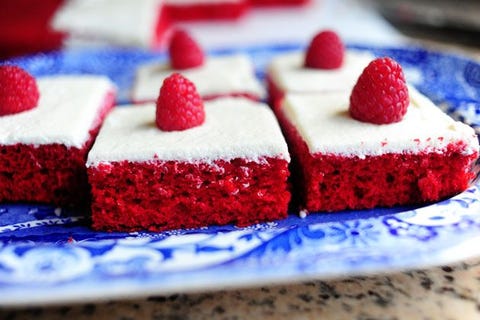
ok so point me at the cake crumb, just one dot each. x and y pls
(303, 213)
(58, 211)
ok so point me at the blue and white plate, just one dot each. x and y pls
(50, 255)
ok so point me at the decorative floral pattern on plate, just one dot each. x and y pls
(50, 254)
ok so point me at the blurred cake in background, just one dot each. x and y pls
(140, 23)
(32, 26)
(205, 9)
(25, 27)
(325, 66)
(278, 2)
(214, 76)
(219, 76)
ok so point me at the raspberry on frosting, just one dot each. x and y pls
(380, 95)
(179, 106)
(326, 51)
(18, 90)
(184, 51)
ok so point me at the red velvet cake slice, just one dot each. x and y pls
(185, 10)
(213, 76)
(139, 23)
(219, 76)
(343, 163)
(323, 67)
(232, 168)
(43, 150)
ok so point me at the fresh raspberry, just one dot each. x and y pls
(184, 51)
(326, 51)
(18, 90)
(380, 95)
(179, 106)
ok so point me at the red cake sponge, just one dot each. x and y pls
(170, 195)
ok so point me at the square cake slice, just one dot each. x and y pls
(139, 23)
(43, 150)
(231, 169)
(286, 73)
(344, 163)
(187, 10)
(218, 76)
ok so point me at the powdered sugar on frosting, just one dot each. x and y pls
(324, 123)
(66, 111)
(127, 22)
(289, 74)
(233, 128)
(219, 75)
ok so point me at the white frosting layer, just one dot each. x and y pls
(233, 128)
(66, 111)
(325, 125)
(288, 73)
(219, 75)
(125, 22)
(199, 2)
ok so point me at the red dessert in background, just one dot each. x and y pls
(279, 2)
(25, 27)
(323, 66)
(205, 9)
(140, 23)
(215, 76)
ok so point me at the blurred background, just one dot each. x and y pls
(31, 26)
(443, 20)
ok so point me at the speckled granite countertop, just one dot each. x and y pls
(447, 292)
